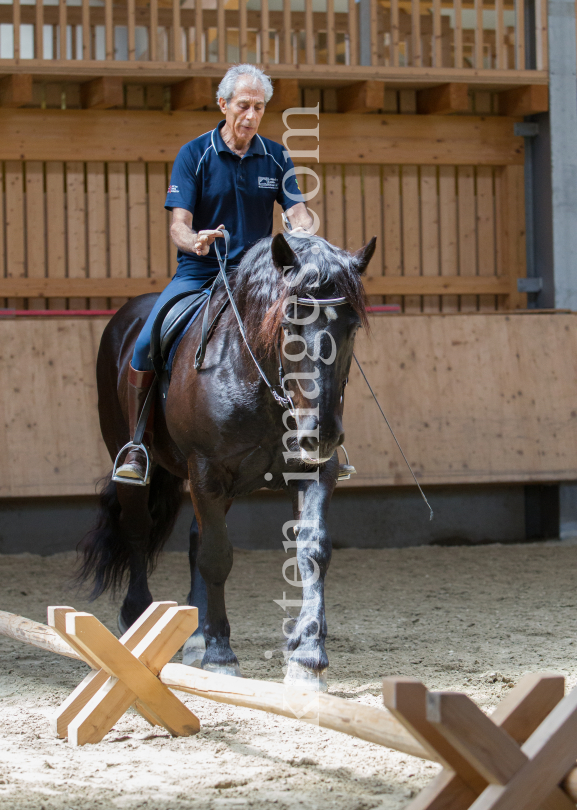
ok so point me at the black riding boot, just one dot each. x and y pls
(133, 470)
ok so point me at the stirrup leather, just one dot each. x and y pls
(134, 481)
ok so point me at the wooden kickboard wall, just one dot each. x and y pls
(476, 398)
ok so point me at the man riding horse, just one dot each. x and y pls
(232, 176)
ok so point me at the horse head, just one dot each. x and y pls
(313, 323)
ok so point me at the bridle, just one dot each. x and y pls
(282, 397)
(286, 401)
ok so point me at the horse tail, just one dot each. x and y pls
(105, 550)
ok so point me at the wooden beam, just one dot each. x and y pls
(362, 97)
(130, 287)
(524, 100)
(192, 94)
(434, 285)
(444, 99)
(102, 94)
(16, 90)
(286, 94)
(150, 135)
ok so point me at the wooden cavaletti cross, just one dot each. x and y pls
(124, 671)
(513, 760)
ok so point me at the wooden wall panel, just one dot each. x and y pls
(143, 136)
(158, 221)
(499, 408)
(106, 221)
(55, 227)
(97, 230)
(15, 231)
(36, 227)
(76, 230)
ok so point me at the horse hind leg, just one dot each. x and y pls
(195, 646)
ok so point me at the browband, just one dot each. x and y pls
(322, 302)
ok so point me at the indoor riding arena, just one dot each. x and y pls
(447, 129)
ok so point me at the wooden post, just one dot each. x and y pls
(16, 27)
(221, 31)
(527, 100)
(331, 43)
(131, 24)
(416, 55)
(16, 90)
(287, 33)
(176, 32)
(443, 100)
(458, 6)
(309, 33)
(198, 30)
(191, 94)
(394, 33)
(86, 29)
(153, 31)
(264, 32)
(286, 94)
(479, 34)
(62, 26)
(102, 94)
(39, 31)
(361, 97)
(354, 33)
(109, 29)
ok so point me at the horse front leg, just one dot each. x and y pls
(308, 661)
(195, 647)
(214, 562)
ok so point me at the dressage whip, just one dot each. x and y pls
(394, 437)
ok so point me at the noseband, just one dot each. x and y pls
(283, 398)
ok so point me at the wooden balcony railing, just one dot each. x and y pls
(471, 36)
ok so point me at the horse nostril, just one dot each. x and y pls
(309, 444)
(341, 439)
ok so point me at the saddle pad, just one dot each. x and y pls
(172, 323)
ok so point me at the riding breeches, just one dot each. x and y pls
(185, 281)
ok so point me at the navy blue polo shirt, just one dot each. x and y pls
(217, 186)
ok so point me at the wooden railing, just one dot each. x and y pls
(399, 33)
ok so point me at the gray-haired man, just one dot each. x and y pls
(230, 177)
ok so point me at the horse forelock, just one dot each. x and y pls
(321, 271)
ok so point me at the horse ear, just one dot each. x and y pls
(363, 256)
(282, 254)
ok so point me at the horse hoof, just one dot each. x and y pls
(122, 626)
(193, 651)
(300, 677)
(223, 669)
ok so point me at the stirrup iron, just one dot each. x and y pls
(132, 481)
(345, 470)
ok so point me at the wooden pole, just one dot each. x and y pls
(39, 635)
(364, 722)
(445, 727)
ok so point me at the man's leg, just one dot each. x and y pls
(141, 377)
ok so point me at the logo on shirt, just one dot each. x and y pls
(173, 189)
(268, 182)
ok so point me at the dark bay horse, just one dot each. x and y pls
(223, 431)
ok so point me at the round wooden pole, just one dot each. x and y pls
(365, 722)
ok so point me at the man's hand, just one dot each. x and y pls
(204, 240)
(299, 218)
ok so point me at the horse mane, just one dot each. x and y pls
(260, 291)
